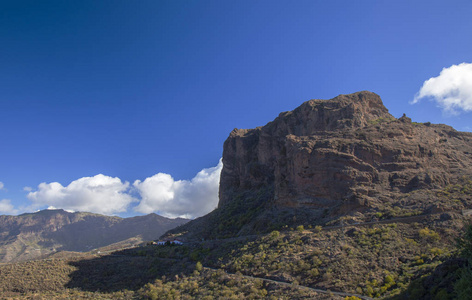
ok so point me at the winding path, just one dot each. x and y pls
(317, 290)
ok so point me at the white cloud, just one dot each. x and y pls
(183, 198)
(27, 189)
(107, 195)
(54, 208)
(99, 194)
(451, 90)
(7, 208)
(1, 185)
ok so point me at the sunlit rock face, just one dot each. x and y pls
(345, 151)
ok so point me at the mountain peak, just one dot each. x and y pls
(328, 158)
(342, 112)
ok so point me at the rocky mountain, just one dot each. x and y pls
(35, 235)
(334, 200)
(330, 158)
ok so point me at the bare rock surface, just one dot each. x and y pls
(330, 159)
(345, 150)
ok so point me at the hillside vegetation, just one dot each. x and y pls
(37, 235)
(375, 260)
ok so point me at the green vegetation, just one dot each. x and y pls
(376, 261)
(381, 120)
(394, 261)
(360, 261)
(141, 277)
(210, 285)
(464, 244)
(464, 187)
(396, 212)
(449, 280)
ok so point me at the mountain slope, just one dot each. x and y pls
(35, 235)
(345, 157)
(392, 197)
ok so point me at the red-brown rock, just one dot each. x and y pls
(347, 150)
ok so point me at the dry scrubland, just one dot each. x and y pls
(381, 260)
(138, 274)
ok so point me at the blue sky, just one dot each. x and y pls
(122, 107)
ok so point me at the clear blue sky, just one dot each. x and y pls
(130, 89)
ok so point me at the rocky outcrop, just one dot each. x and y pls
(345, 151)
(345, 158)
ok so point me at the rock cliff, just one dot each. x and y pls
(341, 158)
(347, 150)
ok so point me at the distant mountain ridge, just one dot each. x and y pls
(35, 235)
(344, 157)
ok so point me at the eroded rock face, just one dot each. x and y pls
(347, 150)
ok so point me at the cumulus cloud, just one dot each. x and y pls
(99, 194)
(109, 195)
(7, 208)
(182, 198)
(451, 90)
